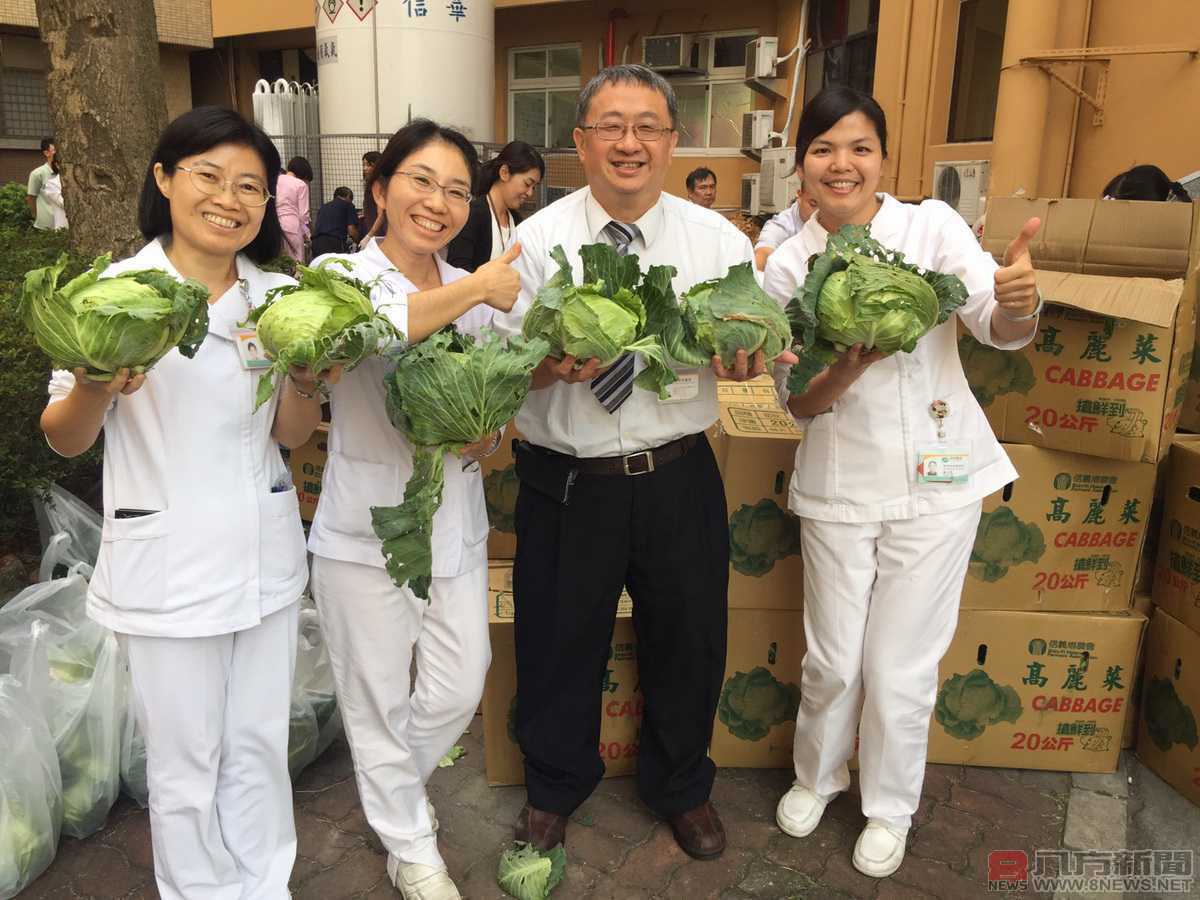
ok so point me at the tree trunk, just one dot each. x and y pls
(108, 106)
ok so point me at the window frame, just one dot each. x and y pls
(12, 141)
(710, 77)
(544, 86)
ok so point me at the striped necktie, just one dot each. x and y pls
(614, 386)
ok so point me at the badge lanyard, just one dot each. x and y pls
(245, 338)
(505, 235)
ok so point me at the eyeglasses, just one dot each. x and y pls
(614, 131)
(247, 190)
(427, 185)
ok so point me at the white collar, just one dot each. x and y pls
(650, 224)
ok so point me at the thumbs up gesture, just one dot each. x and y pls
(498, 281)
(1016, 283)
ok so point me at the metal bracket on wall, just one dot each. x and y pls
(1047, 59)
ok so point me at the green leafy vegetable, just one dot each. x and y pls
(761, 535)
(500, 493)
(967, 704)
(858, 291)
(104, 324)
(445, 393)
(992, 373)
(527, 873)
(754, 702)
(454, 754)
(603, 318)
(1003, 540)
(326, 319)
(1168, 720)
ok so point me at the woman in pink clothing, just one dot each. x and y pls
(291, 199)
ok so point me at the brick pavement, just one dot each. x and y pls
(616, 849)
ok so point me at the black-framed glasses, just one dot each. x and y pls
(615, 131)
(427, 185)
(210, 180)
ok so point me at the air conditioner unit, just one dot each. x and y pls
(750, 194)
(756, 129)
(760, 57)
(963, 185)
(675, 53)
(778, 182)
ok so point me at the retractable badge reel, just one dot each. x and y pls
(942, 462)
(245, 338)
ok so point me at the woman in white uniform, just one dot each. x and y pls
(885, 552)
(202, 554)
(398, 731)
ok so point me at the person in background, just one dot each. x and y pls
(372, 223)
(783, 225)
(1145, 183)
(505, 182)
(885, 545)
(41, 208)
(291, 198)
(337, 224)
(702, 187)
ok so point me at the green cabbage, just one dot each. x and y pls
(500, 493)
(446, 392)
(858, 291)
(1003, 540)
(991, 373)
(1169, 720)
(603, 318)
(104, 324)
(967, 704)
(326, 319)
(754, 702)
(760, 535)
(527, 873)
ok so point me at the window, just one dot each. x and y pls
(977, 69)
(843, 35)
(543, 87)
(711, 105)
(24, 109)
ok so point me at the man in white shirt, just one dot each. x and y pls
(40, 206)
(783, 225)
(620, 490)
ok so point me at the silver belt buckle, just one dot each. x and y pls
(649, 457)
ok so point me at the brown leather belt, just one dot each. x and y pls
(635, 463)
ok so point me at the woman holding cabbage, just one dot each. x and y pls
(202, 558)
(896, 459)
(398, 731)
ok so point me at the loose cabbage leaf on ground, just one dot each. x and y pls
(527, 873)
(325, 320)
(967, 704)
(858, 291)
(754, 702)
(1003, 540)
(104, 324)
(446, 392)
(604, 318)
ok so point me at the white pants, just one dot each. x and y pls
(398, 730)
(214, 711)
(880, 609)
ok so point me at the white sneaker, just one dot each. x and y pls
(418, 882)
(799, 811)
(433, 819)
(880, 849)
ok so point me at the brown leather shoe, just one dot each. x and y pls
(544, 830)
(699, 832)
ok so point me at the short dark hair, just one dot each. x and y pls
(371, 157)
(344, 192)
(518, 156)
(826, 109)
(699, 174)
(194, 132)
(626, 73)
(47, 143)
(412, 137)
(301, 168)
(1145, 183)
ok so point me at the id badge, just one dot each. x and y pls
(250, 349)
(943, 464)
(685, 388)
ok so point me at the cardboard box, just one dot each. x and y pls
(755, 446)
(1035, 690)
(308, 463)
(500, 486)
(1064, 536)
(756, 715)
(1168, 742)
(1143, 604)
(621, 712)
(1108, 371)
(1177, 575)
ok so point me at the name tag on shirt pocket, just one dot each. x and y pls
(250, 349)
(943, 463)
(685, 388)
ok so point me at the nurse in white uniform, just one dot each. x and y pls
(885, 550)
(202, 554)
(397, 730)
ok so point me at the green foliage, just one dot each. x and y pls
(967, 704)
(992, 373)
(14, 212)
(527, 873)
(500, 492)
(1003, 540)
(454, 754)
(1168, 720)
(760, 535)
(754, 702)
(858, 291)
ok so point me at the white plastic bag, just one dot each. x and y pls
(30, 790)
(133, 761)
(315, 722)
(70, 534)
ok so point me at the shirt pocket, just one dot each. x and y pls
(349, 489)
(816, 459)
(134, 562)
(281, 540)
